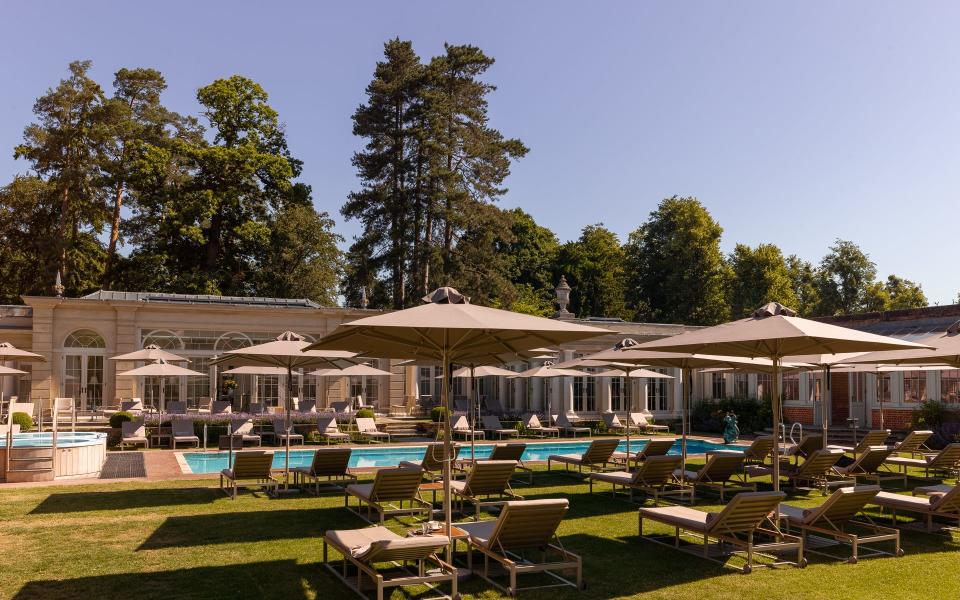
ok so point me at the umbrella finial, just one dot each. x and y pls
(626, 343)
(446, 295)
(548, 363)
(289, 336)
(772, 309)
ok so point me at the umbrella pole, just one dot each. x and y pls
(474, 411)
(775, 404)
(623, 394)
(827, 402)
(447, 447)
(286, 425)
(686, 388)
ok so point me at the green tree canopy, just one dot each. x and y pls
(843, 279)
(803, 282)
(677, 271)
(594, 267)
(759, 275)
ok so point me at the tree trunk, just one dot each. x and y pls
(114, 236)
(62, 228)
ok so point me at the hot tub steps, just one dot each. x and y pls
(30, 464)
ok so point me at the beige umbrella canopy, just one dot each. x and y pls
(151, 352)
(10, 352)
(450, 330)
(162, 369)
(472, 373)
(10, 371)
(547, 371)
(943, 348)
(363, 370)
(289, 351)
(254, 370)
(774, 331)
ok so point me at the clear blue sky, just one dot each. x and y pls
(794, 123)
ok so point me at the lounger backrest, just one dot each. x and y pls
(810, 444)
(657, 470)
(256, 408)
(243, 427)
(745, 512)
(508, 452)
(947, 458)
(340, 406)
(638, 419)
(459, 423)
(913, 441)
(819, 462)
(433, 457)
(611, 420)
(949, 502)
(403, 549)
(63, 404)
(133, 429)
(131, 405)
(658, 447)
(327, 425)
(600, 451)
(563, 421)
(328, 462)
(490, 476)
(871, 459)
(308, 406)
(721, 467)
(176, 407)
(760, 448)
(279, 426)
(533, 421)
(221, 407)
(492, 422)
(877, 437)
(182, 427)
(843, 505)
(252, 464)
(525, 524)
(366, 425)
(396, 484)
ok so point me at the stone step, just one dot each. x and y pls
(24, 475)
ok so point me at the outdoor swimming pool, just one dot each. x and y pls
(386, 456)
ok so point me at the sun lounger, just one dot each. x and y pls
(870, 439)
(369, 550)
(367, 430)
(256, 408)
(914, 444)
(814, 471)
(182, 432)
(493, 426)
(641, 421)
(808, 444)
(343, 407)
(487, 479)
(760, 449)
(386, 495)
(204, 405)
(460, 427)
(329, 432)
(243, 433)
(566, 426)
(836, 518)
(512, 451)
(176, 408)
(280, 433)
(432, 461)
(717, 474)
(615, 425)
(534, 428)
(252, 467)
(221, 407)
(652, 447)
(737, 526)
(945, 463)
(946, 505)
(597, 455)
(134, 407)
(523, 540)
(307, 406)
(653, 477)
(867, 465)
(330, 464)
(133, 433)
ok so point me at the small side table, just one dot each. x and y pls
(432, 486)
(156, 439)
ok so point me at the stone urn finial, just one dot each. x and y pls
(563, 299)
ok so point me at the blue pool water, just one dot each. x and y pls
(65, 439)
(386, 456)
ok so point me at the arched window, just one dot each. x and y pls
(84, 338)
(232, 341)
(164, 339)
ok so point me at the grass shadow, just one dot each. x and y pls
(69, 502)
(288, 580)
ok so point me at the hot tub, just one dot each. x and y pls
(78, 454)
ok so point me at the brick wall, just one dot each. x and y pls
(798, 414)
(893, 418)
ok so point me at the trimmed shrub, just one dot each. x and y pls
(437, 414)
(752, 414)
(365, 413)
(118, 418)
(24, 420)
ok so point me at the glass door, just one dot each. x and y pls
(93, 383)
(83, 380)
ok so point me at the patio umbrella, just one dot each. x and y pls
(450, 330)
(10, 352)
(361, 370)
(256, 371)
(162, 369)
(774, 331)
(290, 352)
(547, 371)
(618, 369)
(4, 371)
(151, 353)
(824, 362)
(472, 373)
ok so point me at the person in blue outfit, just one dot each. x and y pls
(730, 429)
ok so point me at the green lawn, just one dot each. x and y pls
(183, 539)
